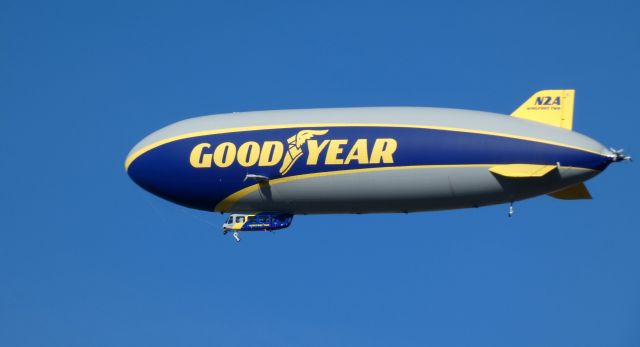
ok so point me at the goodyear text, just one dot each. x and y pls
(272, 153)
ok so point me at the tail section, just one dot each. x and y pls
(552, 107)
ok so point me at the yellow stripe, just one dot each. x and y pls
(147, 148)
(227, 203)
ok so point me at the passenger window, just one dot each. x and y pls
(250, 219)
(239, 219)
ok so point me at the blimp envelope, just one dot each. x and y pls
(365, 160)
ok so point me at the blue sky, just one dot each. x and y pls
(87, 258)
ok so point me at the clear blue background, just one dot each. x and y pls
(87, 258)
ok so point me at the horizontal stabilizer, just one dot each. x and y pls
(575, 192)
(552, 107)
(522, 170)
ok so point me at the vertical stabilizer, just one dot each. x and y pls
(553, 107)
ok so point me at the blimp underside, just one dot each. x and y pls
(368, 160)
(403, 190)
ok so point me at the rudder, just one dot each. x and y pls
(552, 107)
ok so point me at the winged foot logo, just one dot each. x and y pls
(272, 153)
(295, 147)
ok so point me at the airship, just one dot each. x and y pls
(264, 167)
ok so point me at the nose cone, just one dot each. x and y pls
(160, 166)
(147, 169)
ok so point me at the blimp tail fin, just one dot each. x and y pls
(522, 170)
(553, 107)
(575, 192)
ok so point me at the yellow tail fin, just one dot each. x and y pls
(553, 107)
(522, 170)
(575, 192)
